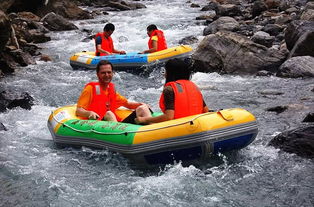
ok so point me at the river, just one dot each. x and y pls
(34, 172)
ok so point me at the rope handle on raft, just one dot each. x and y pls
(191, 122)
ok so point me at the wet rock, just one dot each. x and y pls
(277, 109)
(211, 6)
(308, 15)
(272, 29)
(193, 5)
(45, 58)
(227, 52)
(295, 67)
(258, 7)
(5, 28)
(309, 118)
(210, 15)
(2, 127)
(304, 46)
(263, 38)
(271, 92)
(230, 10)
(299, 141)
(123, 5)
(22, 58)
(12, 99)
(55, 22)
(66, 9)
(295, 30)
(189, 40)
(263, 73)
(223, 23)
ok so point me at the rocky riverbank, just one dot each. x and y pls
(246, 37)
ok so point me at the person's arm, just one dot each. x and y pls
(132, 105)
(119, 51)
(102, 51)
(85, 113)
(168, 115)
(153, 49)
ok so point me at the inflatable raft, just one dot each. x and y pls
(88, 60)
(187, 138)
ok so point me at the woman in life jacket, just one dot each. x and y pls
(180, 96)
(157, 40)
(104, 43)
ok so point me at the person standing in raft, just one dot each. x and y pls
(99, 100)
(104, 43)
(180, 96)
(157, 40)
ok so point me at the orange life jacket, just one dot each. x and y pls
(188, 99)
(102, 102)
(106, 44)
(161, 43)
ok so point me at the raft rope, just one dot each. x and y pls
(191, 122)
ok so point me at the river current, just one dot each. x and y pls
(34, 172)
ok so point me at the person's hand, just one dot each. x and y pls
(140, 120)
(122, 52)
(92, 115)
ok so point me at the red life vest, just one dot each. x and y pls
(188, 99)
(106, 44)
(161, 43)
(102, 102)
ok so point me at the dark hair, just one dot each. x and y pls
(177, 69)
(109, 27)
(151, 27)
(103, 62)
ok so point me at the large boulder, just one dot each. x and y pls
(304, 46)
(295, 30)
(299, 141)
(12, 99)
(56, 22)
(228, 52)
(66, 9)
(296, 67)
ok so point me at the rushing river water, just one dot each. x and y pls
(34, 172)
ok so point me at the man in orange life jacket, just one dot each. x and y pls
(104, 43)
(180, 96)
(99, 100)
(156, 40)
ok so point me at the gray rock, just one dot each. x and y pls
(299, 141)
(223, 23)
(258, 7)
(308, 15)
(295, 67)
(228, 52)
(295, 30)
(12, 99)
(263, 38)
(55, 22)
(189, 40)
(309, 118)
(304, 46)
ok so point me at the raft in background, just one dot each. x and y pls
(88, 60)
(188, 138)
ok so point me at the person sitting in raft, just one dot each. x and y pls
(104, 43)
(180, 96)
(157, 40)
(99, 100)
